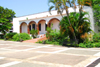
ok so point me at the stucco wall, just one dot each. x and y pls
(90, 12)
(24, 28)
(47, 17)
(42, 28)
(55, 25)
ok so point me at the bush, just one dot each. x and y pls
(1, 36)
(79, 26)
(96, 37)
(21, 36)
(52, 35)
(9, 35)
(34, 33)
(89, 44)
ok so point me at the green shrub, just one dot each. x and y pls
(9, 35)
(52, 35)
(39, 42)
(97, 44)
(21, 36)
(34, 33)
(96, 37)
(79, 26)
(89, 44)
(1, 36)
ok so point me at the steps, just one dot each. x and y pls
(36, 40)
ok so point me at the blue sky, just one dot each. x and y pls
(25, 7)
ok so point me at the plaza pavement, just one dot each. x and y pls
(16, 54)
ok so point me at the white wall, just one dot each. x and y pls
(55, 25)
(24, 28)
(46, 16)
(16, 25)
(42, 28)
(92, 24)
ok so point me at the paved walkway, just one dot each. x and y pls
(16, 54)
(35, 40)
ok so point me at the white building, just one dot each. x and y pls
(41, 20)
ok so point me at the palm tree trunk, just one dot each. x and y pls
(61, 14)
(71, 25)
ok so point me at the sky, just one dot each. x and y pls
(25, 7)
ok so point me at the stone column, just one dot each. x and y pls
(20, 29)
(37, 27)
(28, 29)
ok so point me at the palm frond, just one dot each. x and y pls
(51, 9)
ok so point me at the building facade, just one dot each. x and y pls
(41, 21)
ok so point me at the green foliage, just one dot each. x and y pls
(52, 34)
(21, 36)
(6, 16)
(39, 42)
(89, 45)
(34, 33)
(96, 37)
(71, 25)
(80, 25)
(96, 10)
(9, 35)
(1, 36)
(93, 43)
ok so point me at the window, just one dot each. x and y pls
(39, 27)
(45, 26)
(30, 27)
(33, 26)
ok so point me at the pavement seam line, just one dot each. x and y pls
(55, 51)
(97, 54)
(87, 49)
(2, 57)
(36, 48)
(47, 63)
(9, 64)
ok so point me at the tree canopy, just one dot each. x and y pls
(61, 5)
(96, 9)
(6, 16)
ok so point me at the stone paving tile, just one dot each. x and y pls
(5, 46)
(4, 50)
(47, 49)
(95, 48)
(82, 52)
(3, 61)
(21, 47)
(21, 55)
(61, 59)
(25, 64)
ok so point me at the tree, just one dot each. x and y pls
(80, 24)
(96, 10)
(57, 5)
(6, 16)
(61, 5)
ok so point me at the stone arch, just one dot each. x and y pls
(31, 25)
(42, 23)
(55, 23)
(23, 27)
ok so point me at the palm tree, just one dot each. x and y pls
(83, 3)
(57, 5)
(61, 5)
